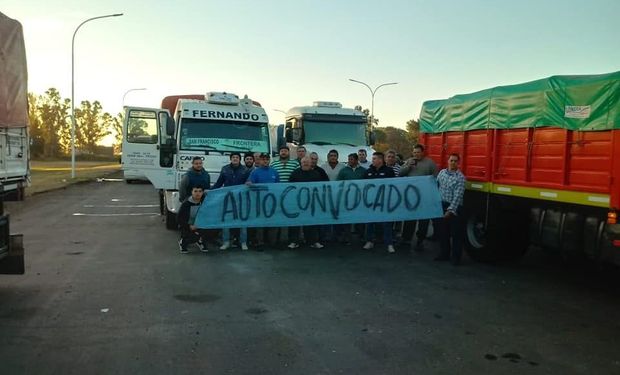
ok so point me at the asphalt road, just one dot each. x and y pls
(106, 292)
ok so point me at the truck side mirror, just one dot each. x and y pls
(289, 135)
(372, 138)
(170, 126)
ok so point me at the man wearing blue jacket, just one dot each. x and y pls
(195, 176)
(231, 175)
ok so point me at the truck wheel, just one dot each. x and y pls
(171, 220)
(504, 238)
(476, 239)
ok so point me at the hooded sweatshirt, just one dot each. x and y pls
(191, 179)
(187, 213)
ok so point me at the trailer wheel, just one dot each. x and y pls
(503, 237)
(476, 239)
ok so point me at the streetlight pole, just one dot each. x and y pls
(372, 97)
(130, 90)
(73, 87)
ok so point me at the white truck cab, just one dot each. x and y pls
(161, 143)
(324, 126)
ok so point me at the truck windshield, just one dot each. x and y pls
(224, 136)
(332, 132)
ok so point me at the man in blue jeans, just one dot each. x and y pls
(231, 175)
(452, 188)
(378, 169)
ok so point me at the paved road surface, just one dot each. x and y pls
(107, 292)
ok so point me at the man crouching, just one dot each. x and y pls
(187, 215)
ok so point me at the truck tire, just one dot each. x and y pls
(171, 220)
(502, 238)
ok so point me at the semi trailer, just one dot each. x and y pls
(542, 161)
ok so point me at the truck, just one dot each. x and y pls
(160, 143)
(324, 126)
(14, 138)
(542, 162)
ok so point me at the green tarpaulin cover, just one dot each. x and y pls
(582, 102)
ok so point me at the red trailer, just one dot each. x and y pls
(542, 161)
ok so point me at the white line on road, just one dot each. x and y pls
(121, 205)
(131, 214)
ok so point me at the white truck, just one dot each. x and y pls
(324, 126)
(14, 138)
(160, 143)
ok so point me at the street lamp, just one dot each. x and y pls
(73, 87)
(372, 97)
(130, 90)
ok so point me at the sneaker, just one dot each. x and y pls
(317, 245)
(293, 245)
(181, 248)
(244, 246)
(391, 249)
(225, 245)
(368, 245)
(202, 246)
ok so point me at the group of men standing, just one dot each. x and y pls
(257, 169)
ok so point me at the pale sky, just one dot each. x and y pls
(290, 53)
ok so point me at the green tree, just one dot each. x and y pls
(394, 139)
(36, 126)
(92, 124)
(116, 127)
(53, 112)
(413, 131)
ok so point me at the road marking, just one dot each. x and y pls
(121, 205)
(115, 200)
(131, 214)
(110, 180)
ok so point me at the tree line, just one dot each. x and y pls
(393, 138)
(50, 125)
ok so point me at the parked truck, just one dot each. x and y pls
(324, 126)
(542, 161)
(14, 139)
(160, 143)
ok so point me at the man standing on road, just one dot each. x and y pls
(301, 153)
(362, 155)
(263, 174)
(332, 167)
(314, 157)
(351, 171)
(418, 165)
(305, 174)
(248, 160)
(231, 175)
(378, 169)
(392, 162)
(452, 188)
(284, 166)
(196, 176)
(186, 217)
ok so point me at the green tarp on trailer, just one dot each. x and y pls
(586, 102)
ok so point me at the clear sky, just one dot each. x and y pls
(289, 53)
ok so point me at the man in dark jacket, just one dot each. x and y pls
(378, 169)
(303, 174)
(196, 176)
(231, 175)
(187, 215)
